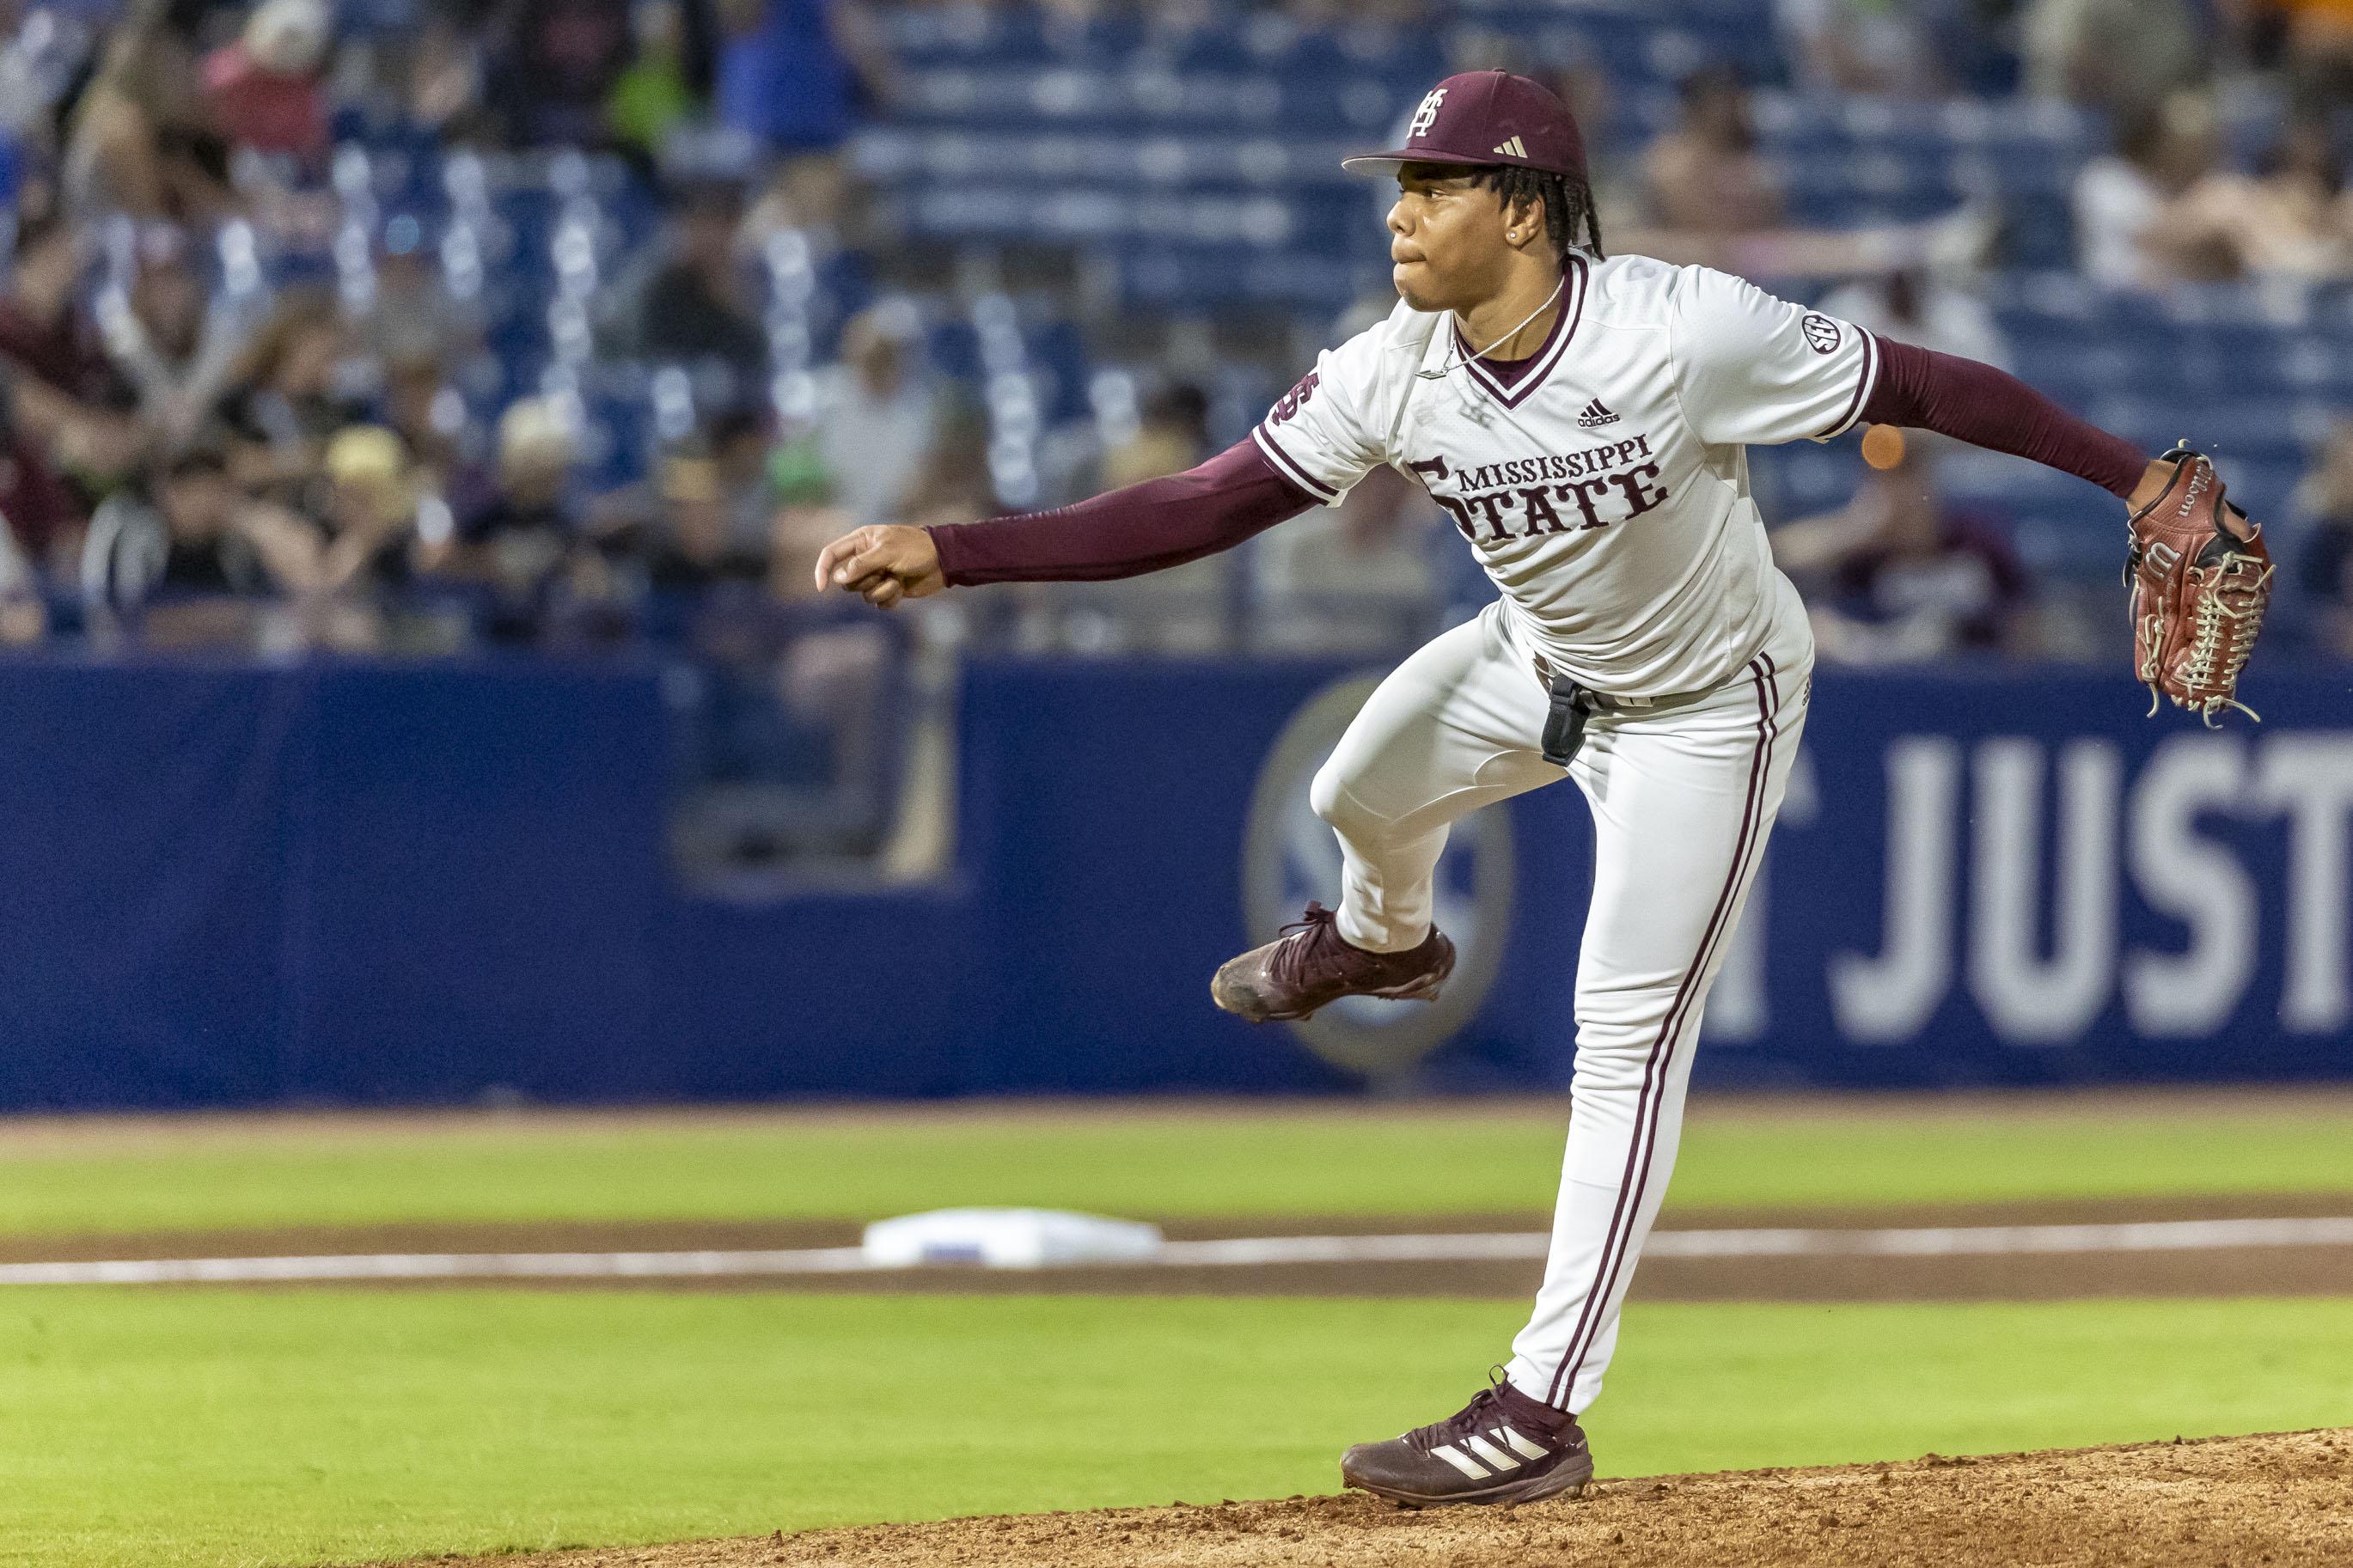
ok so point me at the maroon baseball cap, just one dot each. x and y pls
(1483, 118)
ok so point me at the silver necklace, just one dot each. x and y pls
(1442, 372)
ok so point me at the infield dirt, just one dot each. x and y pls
(2285, 1500)
(2294, 1269)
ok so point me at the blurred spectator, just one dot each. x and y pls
(668, 81)
(2166, 211)
(2298, 219)
(803, 518)
(173, 341)
(414, 315)
(2122, 56)
(877, 414)
(1898, 574)
(791, 75)
(43, 55)
(372, 501)
(1910, 305)
(283, 402)
(951, 484)
(142, 139)
(2320, 39)
(175, 555)
(40, 514)
(1863, 46)
(1172, 435)
(66, 394)
(1357, 577)
(263, 91)
(692, 300)
(429, 417)
(517, 541)
(1705, 175)
(2158, 210)
(2324, 573)
(697, 544)
(741, 456)
(442, 85)
(552, 68)
(23, 615)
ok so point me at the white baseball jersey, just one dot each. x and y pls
(1605, 488)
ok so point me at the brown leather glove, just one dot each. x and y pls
(2199, 591)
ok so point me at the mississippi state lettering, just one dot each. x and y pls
(1516, 500)
(1557, 466)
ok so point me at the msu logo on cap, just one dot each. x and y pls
(1426, 116)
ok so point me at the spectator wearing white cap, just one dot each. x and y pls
(263, 89)
(877, 412)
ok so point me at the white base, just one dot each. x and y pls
(1008, 1238)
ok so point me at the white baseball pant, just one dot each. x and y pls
(1682, 801)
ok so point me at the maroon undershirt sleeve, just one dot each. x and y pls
(1144, 528)
(1987, 407)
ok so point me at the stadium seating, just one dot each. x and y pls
(1197, 171)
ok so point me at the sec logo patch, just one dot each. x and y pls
(1821, 332)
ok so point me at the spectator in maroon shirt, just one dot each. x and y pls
(68, 397)
(1900, 575)
(43, 514)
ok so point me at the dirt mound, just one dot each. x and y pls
(2228, 1503)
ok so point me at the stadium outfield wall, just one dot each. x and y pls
(360, 883)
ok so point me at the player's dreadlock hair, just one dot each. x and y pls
(1567, 201)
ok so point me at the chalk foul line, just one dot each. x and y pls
(1932, 1241)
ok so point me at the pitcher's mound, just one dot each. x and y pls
(2230, 1502)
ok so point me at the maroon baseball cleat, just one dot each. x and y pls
(1311, 964)
(1502, 1448)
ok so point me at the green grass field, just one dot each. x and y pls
(1152, 1162)
(159, 1427)
(233, 1427)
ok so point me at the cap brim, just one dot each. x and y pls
(1380, 164)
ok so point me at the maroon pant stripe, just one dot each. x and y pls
(1648, 1105)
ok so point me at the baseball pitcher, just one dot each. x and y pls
(1583, 419)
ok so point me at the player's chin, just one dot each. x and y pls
(1412, 280)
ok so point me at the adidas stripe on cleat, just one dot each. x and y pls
(1505, 1447)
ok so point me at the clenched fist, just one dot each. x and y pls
(884, 563)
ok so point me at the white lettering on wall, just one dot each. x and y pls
(2194, 880)
(2310, 776)
(1890, 997)
(2027, 997)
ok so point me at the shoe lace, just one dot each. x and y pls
(1313, 929)
(1485, 1409)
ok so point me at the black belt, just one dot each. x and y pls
(1573, 703)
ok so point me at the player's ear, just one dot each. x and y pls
(1524, 220)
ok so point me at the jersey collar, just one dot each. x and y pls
(1540, 365)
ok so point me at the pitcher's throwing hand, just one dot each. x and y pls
(882, 562)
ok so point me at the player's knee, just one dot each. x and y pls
(1333, 802)
(1339, 804)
